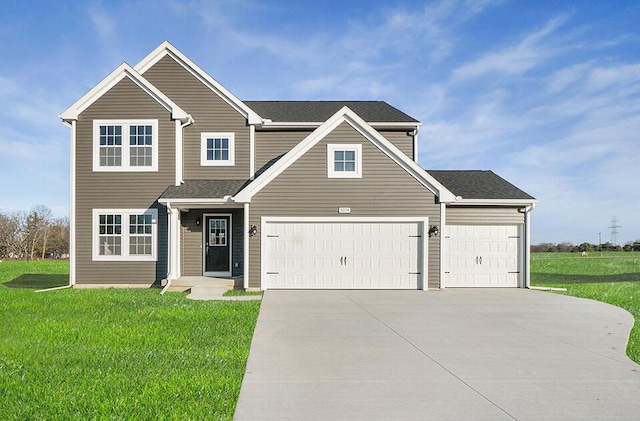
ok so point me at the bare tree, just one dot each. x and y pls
(37, 227)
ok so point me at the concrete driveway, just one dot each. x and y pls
(489, 354)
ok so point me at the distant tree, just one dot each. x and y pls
(37, 230)
(12, 235)
(565, 247)
(58, 244)
(587, 247)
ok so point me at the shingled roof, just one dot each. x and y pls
(477, 184)
(204, 189)
(320, 111)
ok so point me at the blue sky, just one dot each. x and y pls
(546, 94)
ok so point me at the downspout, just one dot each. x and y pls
(178, 148)
(72, 204)
(527, 245)
(169, 240)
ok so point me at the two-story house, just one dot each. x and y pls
(173, 176)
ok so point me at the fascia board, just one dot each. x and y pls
(166, 48)
(122, 71)
(346, 115)
(493, 202)
(267, 124)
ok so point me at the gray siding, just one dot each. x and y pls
(271, 144)
(483, 215)
(121, 190)
(211, 114)
(401, 140)
(191, 241)
(384, 190)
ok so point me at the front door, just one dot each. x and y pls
(217, 245)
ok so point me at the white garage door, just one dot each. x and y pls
(343, 255)
(481, 256)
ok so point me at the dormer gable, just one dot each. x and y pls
(167, 49)
(113, 78)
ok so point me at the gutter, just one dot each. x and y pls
(169, 268)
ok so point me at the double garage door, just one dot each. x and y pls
(343, 254)
(482, 256)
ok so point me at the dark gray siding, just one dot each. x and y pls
(211, 114)
(385, 189)
(483, 215)
(192, 240)
(121, 190)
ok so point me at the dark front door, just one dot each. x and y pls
(217, 243)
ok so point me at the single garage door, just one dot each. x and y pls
(343, 255)
(481, 256)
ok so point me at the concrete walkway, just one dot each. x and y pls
(440, 355)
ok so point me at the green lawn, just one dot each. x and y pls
(611, 277)
(117, 353)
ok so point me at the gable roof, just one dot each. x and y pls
(122, 71)
(166, 48)
(317, 112)
(345, 115)
(478, 184)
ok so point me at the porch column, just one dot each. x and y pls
(173, 246)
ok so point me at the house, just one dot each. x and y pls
(173, 176)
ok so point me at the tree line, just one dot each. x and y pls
(33, 234)
(565, 247)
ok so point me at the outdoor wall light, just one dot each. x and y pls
(253, 230)
(198, 221)
(433, 230)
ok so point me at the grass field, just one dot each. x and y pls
(613, 278)
(116, 354)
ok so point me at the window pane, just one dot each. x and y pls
(350, 155)
(338, 155)
(210, 155)
(209, 143)
(338, 166)
(350, 166)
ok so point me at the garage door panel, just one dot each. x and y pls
(481, 256)
(342, 255)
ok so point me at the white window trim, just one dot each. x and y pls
(203, 149)
(125, 145)
(331, 148)
(125, 213)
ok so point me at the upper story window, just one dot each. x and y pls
(125, 234)
(217, 149)
(344, 161)
(125, 145)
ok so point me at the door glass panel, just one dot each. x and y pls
(217, 232)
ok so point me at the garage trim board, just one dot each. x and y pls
(348, 252)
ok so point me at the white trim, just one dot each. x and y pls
(175, 202)
(492, 202)
(72, 206)
(230, 136)
(527, 247)
(350, 147)
(173, 240)
(205, 231)
(252, 152)
(124, 257)
(245, 269)
(113, 78)
(382, 143)
(125, 146)
(424, 221)
(166, 48)
(268, 124)
(443, 226)
(416, 143)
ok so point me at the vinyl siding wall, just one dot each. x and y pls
(121, 190)
(191, 241)
(211, 114)
(385, 189)
(483, 215)
(271, 144)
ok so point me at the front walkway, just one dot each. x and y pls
(456, 354)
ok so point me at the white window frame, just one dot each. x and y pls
(124, 242)
(126, 148)
(332, 148)
(203, 149)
